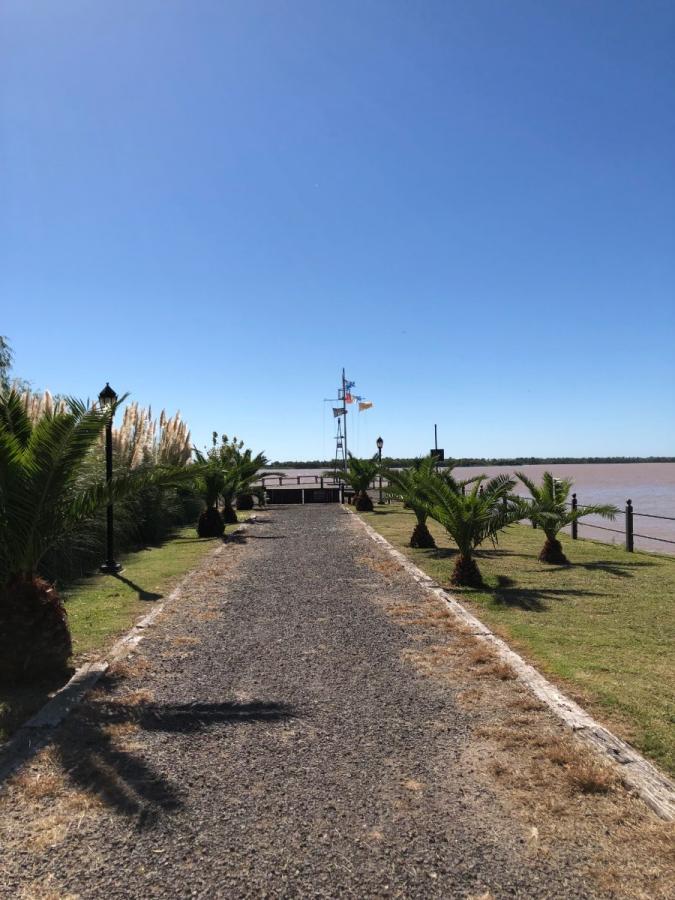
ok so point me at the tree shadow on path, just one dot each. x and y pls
(98, 748)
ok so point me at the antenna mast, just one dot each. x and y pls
(344, 406)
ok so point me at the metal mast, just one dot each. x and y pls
(344, 406)
(339, 446)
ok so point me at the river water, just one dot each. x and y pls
(650, 486)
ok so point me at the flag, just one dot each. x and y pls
(349, 385)
(349, 398)
(364, 405)
(338, 411)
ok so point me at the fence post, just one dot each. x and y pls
(574, 523)
(629, 526)
(322, 482)
(280, 480)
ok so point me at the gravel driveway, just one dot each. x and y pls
(273, 740)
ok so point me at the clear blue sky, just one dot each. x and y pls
(470, 204)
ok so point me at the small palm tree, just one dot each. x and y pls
(547, 508)
(240, 475)
(210, 484)
(413, 486)
(46, 492)
(472, 518)
(232, 474)
(359, 475)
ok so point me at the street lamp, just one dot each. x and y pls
(107, 399)
(380, 445)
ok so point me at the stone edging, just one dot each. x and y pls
(656, 789)
(36, 731)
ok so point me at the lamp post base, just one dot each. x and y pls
(110, 568)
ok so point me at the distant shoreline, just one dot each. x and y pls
(478, 461)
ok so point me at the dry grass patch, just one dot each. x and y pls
(49, 832)
(207, 615)
(387, 567)
(39, 785)
(582, 767)
(132, 667)
(471, 698)
(488, 663)
(183, 640)
(46, 890)
(412, 784)
(43, 807)
(403, 609)
(561, 788)
(499, 669)
(527, 703)
(481, 655)
(134, 698)
(121, 729)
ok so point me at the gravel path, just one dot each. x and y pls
(284, 747)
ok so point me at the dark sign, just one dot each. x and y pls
(438, 453)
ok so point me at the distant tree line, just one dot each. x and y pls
(404, 461)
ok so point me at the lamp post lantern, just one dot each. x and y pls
(380, 445)
(107, 399)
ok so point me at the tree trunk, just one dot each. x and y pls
(210, 523)
(363, 502)
(34, 636)
(466, 573)
(245, 501)
(421, 537)
(552, 552)
(229, 514)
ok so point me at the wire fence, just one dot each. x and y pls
(628, 531)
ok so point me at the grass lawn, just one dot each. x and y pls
(102, 607)
(603, 628)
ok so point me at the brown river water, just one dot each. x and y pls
(651, 487)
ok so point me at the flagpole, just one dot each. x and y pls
(344, 406)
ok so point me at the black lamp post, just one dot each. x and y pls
(107, 398)
(380, 445)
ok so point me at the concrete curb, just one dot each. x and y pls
(36, 732)
(655, 788)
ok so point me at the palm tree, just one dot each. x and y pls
(547, 507)
(240, 474)
(472, 518)
(46, 492)
(233, 472)
(211, 481)
(359, 475)
(412, 486)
